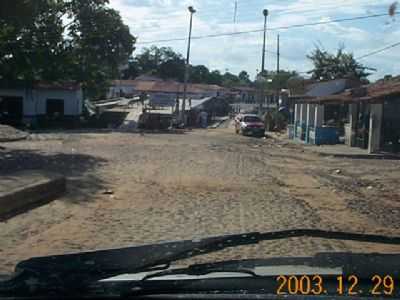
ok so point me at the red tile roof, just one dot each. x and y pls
(167, 86)
(375, 92)
(243, 89)
(61, 85)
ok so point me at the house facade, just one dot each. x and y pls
(40, 104)
(317, 124)
(367, 117)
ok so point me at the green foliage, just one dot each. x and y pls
(296, 85)
(162, 62)
(272, 81)
(36, 45)
(199, 74)
(31, 41)
(328, 66)
(215, 77)
(230, 80)
(275, 120)
(279, 81)
(244, 78)
(165, 63)
(101, 43)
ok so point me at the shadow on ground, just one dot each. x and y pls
(78, 169)
(43, 133)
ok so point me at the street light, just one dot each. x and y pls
(191, 11)
(265, 13)
(260, 78)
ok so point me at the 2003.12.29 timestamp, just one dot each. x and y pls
(351, 285)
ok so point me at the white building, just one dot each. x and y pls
(41, 104)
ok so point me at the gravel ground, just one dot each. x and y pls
(129, 189)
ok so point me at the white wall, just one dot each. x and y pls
(35, 100)
(72, 101)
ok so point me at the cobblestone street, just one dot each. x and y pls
(130, 189)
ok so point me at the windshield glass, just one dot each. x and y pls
(120, 124)
(251, 119)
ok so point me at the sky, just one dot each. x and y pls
(154, 20)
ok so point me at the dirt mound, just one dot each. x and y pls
(9, 134)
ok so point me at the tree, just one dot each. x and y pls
(35, 44)
(215, 77)
(393, 9)
(132, 71)
(329, 66)
(279, 81)
(100, 44)
(172, 68)
(199, 74)
(244, 78)
(31, 40)
(296, 85)
(230, 80)
(162, 62)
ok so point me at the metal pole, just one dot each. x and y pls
(278, 56)
(278, 92)
(235, 13)
(186, 79)
(265, 12)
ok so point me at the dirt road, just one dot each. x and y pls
(129, 189)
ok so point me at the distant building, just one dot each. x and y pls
(121, 88)
(245, 94)
(213, 106)
(41, 104)
(162, 91)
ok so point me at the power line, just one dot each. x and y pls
(362, 56)
(305, 9)
(379, 51)
(261, 30)
(251, 12)
(235, 12)
(163, 28)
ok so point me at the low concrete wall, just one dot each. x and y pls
(24, 196)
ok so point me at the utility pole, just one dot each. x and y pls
(278, 55)
(265, 13)
(186, 79)
(262, 95)
(235, 13)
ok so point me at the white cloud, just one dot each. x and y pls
(166, 19)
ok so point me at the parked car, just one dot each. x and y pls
(249, 125)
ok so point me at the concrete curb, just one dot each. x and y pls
(311, 149)
(29, 196)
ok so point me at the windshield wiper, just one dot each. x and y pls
(72, 273)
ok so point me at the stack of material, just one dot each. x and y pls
(9, 134)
